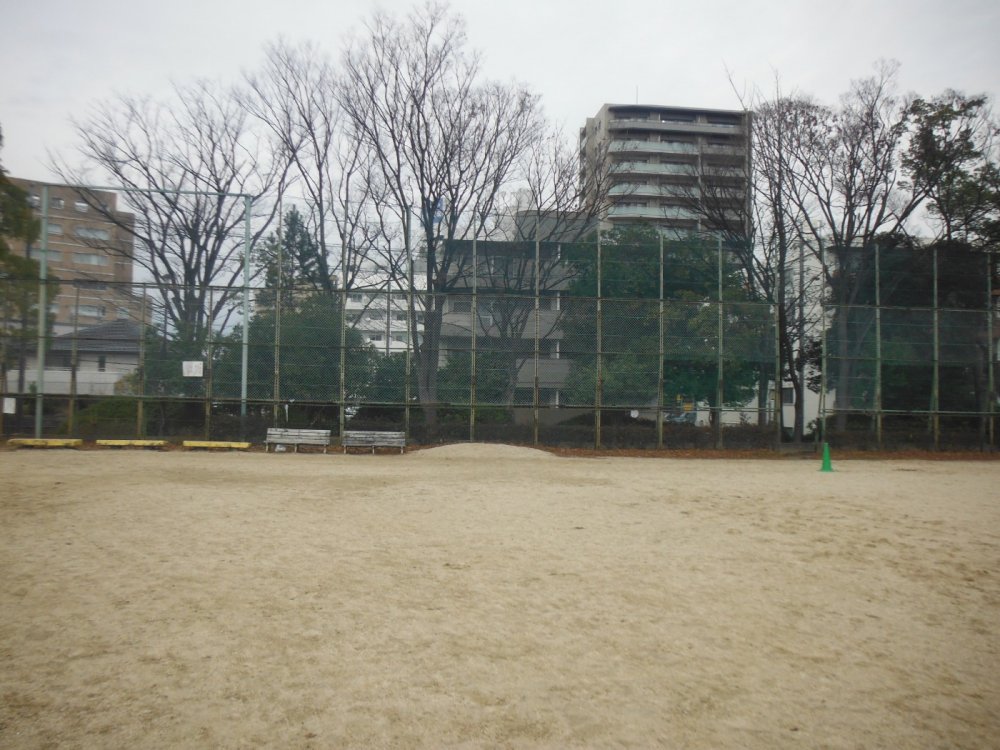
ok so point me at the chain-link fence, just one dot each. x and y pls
(599, 344)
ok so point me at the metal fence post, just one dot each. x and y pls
(779, 402)
(209, 370)
(660, 355)
(342, 362)
(720, 391)
(43, 315)
(991, 385)
(936, 359)
(247, 201)
(535, 390)
(878, 346)
(140, 422)
(74, 365)
(278, 293)
(472, 356)
(599, 371)
(411, 327)
(821, 431)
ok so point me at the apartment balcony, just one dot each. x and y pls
(652, 147)
(641, 167)
(654, 191)
(650, 212)
(716, 149)
(671, 126)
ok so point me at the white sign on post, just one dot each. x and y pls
(9, 405)
(193, 369)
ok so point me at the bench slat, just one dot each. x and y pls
(373, 439)
(297, 437)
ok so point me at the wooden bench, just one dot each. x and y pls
(287, 436)
(373, 439)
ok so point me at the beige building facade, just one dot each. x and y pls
(678, 169)
(90, 256)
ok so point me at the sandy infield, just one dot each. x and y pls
(476, 596)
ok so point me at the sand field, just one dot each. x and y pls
(492, 596)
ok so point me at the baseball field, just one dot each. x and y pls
(496, 596)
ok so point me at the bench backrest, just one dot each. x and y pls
(277, 434)
(373, 437)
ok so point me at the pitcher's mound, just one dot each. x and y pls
(482, 452)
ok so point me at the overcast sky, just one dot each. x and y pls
(59, 56)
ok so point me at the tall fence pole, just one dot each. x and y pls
(878, 346)
(720, 390)
(247, 201)
(411, 327)
(936, 359)
(660, 355)
(991, 385)
(140, 422)
(5, 291)
(342, 362)
(278, 294)
(823, 346)
(209, 370)
(74, 364)
(599, 371)
(43, 313)
(535, 390)
(779, 404)
(474, 314)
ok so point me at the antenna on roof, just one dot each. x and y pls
(637, 94)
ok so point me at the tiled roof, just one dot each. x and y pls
(116, 336)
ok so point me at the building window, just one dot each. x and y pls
(356, 297)
(123, 313)
(400, 337)
(55, 228)
(34, 201)
(90, 311)
(80, 206)
(50, 255)
(102, 363)
(788, 396)
(461, 305)
(58, 203)
(92, 233)
(399, 317)
(90, 259)
(374, 337)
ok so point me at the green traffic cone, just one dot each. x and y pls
(827, 466)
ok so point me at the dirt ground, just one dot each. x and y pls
(491, 596)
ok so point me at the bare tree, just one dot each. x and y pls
(293, 95)
(846, 181)
(778, 254)
(183, 163)
(446, 144)
(740, 193)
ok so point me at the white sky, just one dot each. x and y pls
(60, 56)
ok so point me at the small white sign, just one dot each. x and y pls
(194, 369)
(9, 405)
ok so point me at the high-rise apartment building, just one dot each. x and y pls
(678, 169)
(90, 256)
